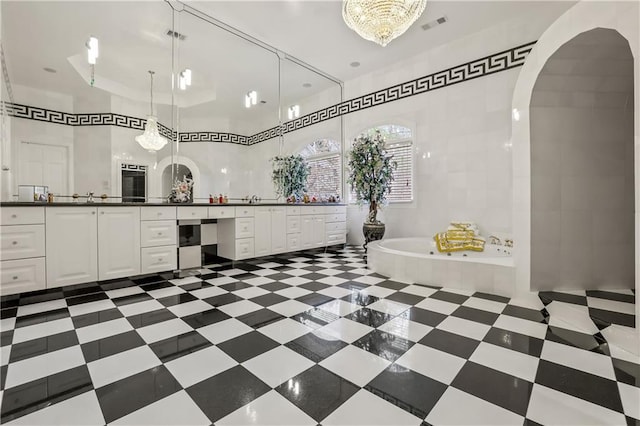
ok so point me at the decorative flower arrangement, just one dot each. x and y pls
(370, 172)
(289, 176)
(181, 191)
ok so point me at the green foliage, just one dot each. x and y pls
(289, 175)
(370, 171)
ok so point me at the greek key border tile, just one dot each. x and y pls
(491, 64)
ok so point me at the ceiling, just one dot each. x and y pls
(133, 40)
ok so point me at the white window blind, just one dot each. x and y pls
(324, 176)
(402, 185)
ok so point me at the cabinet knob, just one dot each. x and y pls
(160, 260)
(15, 243)
(15, 277)
(93, 212)
(193, 213)
(159, 233)
(222, 213)
(101, 212)
(159, 214)
(13, 216)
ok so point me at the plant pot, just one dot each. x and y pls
(372, 232)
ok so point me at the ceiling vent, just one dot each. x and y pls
(435, 23)
(176, 34)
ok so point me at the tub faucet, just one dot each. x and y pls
(254, 199)
(494, 240)
(508, 242)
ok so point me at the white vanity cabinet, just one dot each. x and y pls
(312, 227)
(71, 245)
(270, 234)
(118, 242)
(159, 238)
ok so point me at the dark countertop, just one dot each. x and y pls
(108, 204)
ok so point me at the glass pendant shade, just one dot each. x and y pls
(151, 139)
(381, 21)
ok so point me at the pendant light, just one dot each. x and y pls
(151, 139)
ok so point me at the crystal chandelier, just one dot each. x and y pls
(151, 140)
(381, 20)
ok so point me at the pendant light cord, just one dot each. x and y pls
(151, 73)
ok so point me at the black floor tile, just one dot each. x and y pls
(406, 298)
(627, 298)
(268, 299)
(515, 341)
(353, 285)
(524, 313)
(313, 275)
(133, 298)
(314, 286)
(369, 317)
(6, 337)
(160, 284)
(41, 296)
(393, 285)
(223, 299)
(407, 389)
(627, 372)
(112, 345)
(134, 392)
(235, 286)
(29, 397)
(449, 297)
(260, 318)
(450, 342)
(245, 276)
(41, 317)
(314, 299)
(150, 318)
(177, 346)
(177, 299)
(96, 317)
(315, 347)
(580, 384)
(224, 393)
(348, 275)
(81, 289)
(423, 316)
(315, 318)
(205, 318)
(279, 276)
(493, 297)
(247, 346)
(43, 345)
(8, 312)
(475, 315)
(549, 296)
(195, 286)
(116, 284)
(86, 298)
(504, 390)
(274, 286)
(385, 345)
(611, 317)
(318, 392)
(148, 280)
(359, 298)
(572, 338)
(3, 376)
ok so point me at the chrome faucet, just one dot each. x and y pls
(494, 240)
(254, 199)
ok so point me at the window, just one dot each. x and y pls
(399, 143)
(323, 157)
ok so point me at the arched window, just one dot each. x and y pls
(323, 157)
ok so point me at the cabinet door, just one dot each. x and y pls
(278, 230)
(118, 242)
(71, 245)
(262, 231)
(318, 231)
(306, 232)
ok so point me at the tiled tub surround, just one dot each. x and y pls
(417, 260)
(304, 338)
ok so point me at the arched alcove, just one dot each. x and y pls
(158, 186)
(174, 171)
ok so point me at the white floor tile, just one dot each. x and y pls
(331, 272)
(389, 307)
(293, 292)
(295, 281)
(331, 280)
(459, 291)
(189, 308)
(550, 407)
(406, 329)
(176, 409)
(277, 365)
(127, 291)
(571, 317)
(456, 407)
(271, 409)
(527, 300)
(519, 325)
(505, 360)
(485, 305)
(377, 291)
(221, 280)
(36, 331)
(162, 330)
(361, 271)
(83, 410)
(264, 272)
(140, 308)
(439, 306)
(7, 324)
(366, 409)
(578, 359)
(5, 354)
(355, 364)
(44, 365)
(116, 367)
(433, 363)
(258, 281)
(251, 292)
(285, 330)
(464, 327)
(297, 272)
(611, 305)
(240, 307)
(337, 292)
(419, 290)
(205, 293)
(185, 280)
(167, 291)
(91, 307)
(224, 330)
(339, 307)
(630, 396)
(36, 308)
(367, 279)
(269, 265)
(346, 330)
(232, 272)
(624, 342)
(102, 330)
(200, 365)
(289, 308)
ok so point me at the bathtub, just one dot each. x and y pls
(417, 260)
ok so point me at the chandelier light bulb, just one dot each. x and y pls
(151, 139)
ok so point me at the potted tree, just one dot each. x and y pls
(370, 175)
(289, 176)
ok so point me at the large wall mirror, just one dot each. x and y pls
(226, 103)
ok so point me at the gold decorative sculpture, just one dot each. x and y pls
(459, 236)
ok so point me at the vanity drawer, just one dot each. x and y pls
(158, 233)
(19, 276)
(308, 210)
(244, 211)
(293, 224)
(293, 242)
(335, 209)
(244, 248)
(221, 212)
(185, 213)
(335, 218)
(21, 241)
(244, 227)
(338, 237)
(293, 210)
(21, 215)
(158, 259)
(336, 226)
(158, 213)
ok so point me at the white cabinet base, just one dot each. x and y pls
(19, 276)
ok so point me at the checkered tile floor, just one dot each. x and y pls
(304, 338)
